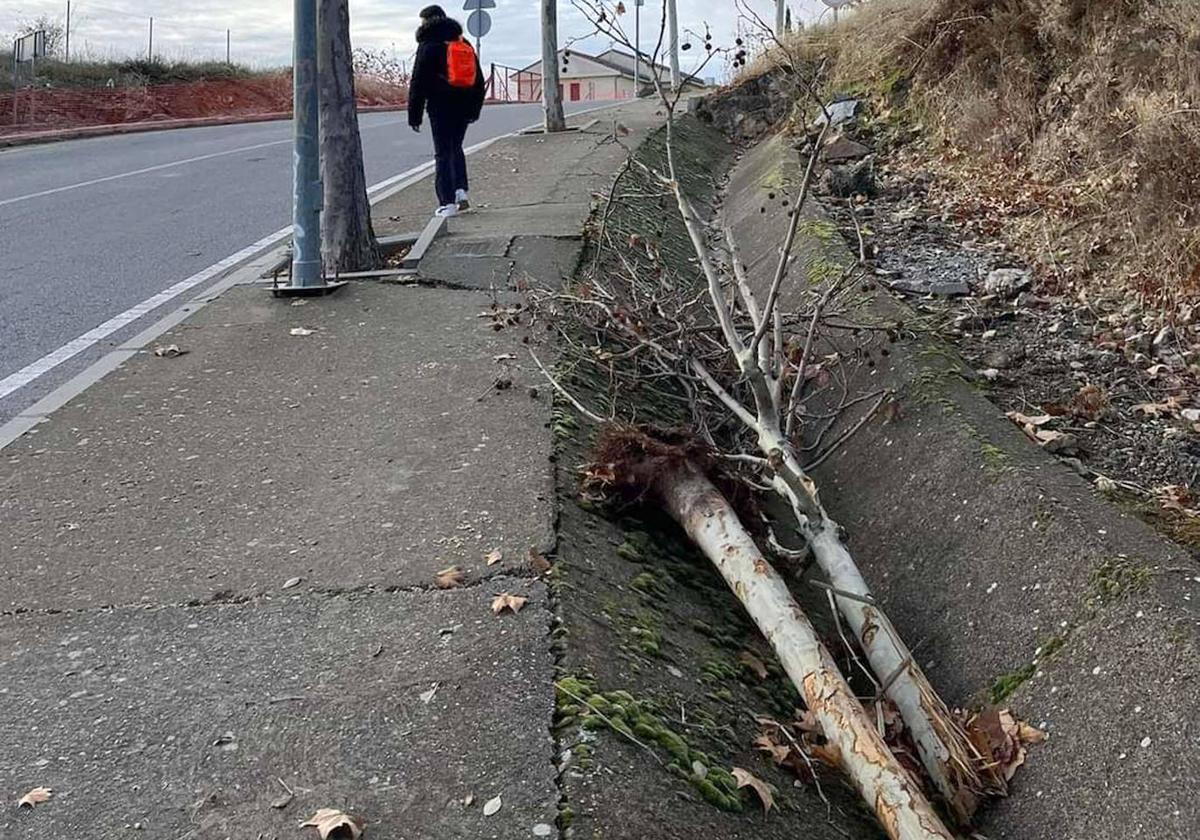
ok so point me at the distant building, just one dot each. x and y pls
(587, 78)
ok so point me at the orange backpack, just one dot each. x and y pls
(460, 64)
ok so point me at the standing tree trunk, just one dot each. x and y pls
(551, 94)
(347, 238)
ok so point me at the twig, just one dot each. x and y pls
(862, 245)
(591, 415)
(622, 731)
(849, 433)
(842, 593)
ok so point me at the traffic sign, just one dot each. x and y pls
(479, 23)
(476, 5)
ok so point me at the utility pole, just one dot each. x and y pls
(306, 180)
(780, 18)
(637, 48)
(67, 34)
(228, 52)
(551, 95)
(673, 36)
(150, 46)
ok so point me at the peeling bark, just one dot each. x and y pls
(707, 517)
(347, 236)
(944, 748)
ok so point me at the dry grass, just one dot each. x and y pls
(1086, 111)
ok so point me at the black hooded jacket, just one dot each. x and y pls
(429, 88)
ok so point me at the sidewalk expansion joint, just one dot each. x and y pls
(229, 599)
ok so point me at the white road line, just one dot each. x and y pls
(148, 169)
(162, 166)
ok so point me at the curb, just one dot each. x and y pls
(58, 135)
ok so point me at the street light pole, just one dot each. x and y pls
(306, 180)
(637, 48)
(673, 34)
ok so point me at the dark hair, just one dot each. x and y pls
(431, 12)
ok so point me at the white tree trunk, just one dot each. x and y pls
(711, 522)
(347, 237)
(944, 748)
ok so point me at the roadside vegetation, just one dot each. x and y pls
(1070, 129)
(135, 72)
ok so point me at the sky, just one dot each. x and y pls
(260, 30)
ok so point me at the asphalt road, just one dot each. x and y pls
(90, 228)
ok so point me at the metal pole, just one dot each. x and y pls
(637, 48)
(67, 32)
(150, 47)
(306, 181)
(227, 52)
(673, 32)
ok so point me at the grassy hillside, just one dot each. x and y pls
(1075, 122)
(61, 74)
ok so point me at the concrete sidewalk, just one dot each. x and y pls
(219, 567)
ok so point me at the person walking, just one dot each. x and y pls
(447, 81)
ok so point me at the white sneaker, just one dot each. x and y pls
(460, 198)
(447, 210)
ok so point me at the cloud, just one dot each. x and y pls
(260, 30)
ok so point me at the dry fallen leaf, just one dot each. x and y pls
(330, 822)
(491, 806)
(1168, 408)
(35, 797)
(1028, 419)
(301, 331)
(505, 601)
(291, 582)
(747, 779)
(778, 752)
(287, 797)
(426, 696)
(494, 556)
(828, 754)
(538, 562)
(170, 351)
(753, 663)
(449, 578)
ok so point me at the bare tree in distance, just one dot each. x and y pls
(53, 27)
(347, 237)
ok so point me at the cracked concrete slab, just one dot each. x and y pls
(544, 262)
(374, 451)
(540, 219)
(179, 720)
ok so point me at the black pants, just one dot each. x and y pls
(448, 134)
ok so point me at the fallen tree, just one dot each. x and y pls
(739, 357)
(637, 466)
